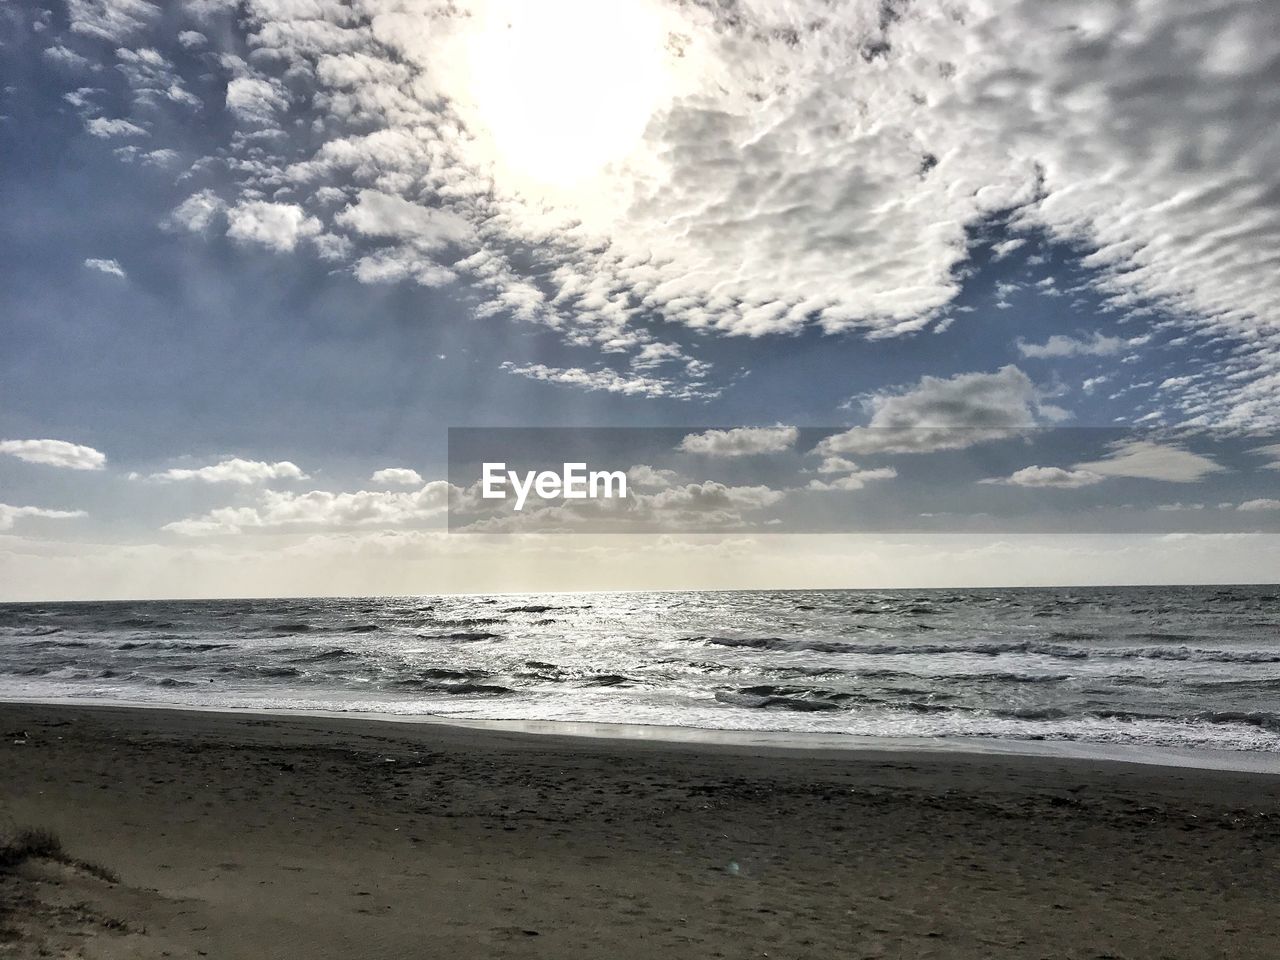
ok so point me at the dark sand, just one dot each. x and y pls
(270, 838)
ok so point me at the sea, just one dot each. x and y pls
(1185, 667)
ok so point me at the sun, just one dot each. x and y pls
(561, 89)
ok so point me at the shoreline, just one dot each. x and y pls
(1237, 761)
(239, 835)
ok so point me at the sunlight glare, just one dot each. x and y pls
(563, 88)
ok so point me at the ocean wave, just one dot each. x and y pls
(444, 673)
(454, 689)
(173, 645)
(991, 648)
(328, 656)
(259, 671)
(1262, 719)
(754, 702)
(608, 680)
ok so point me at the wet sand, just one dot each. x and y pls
(240, 836)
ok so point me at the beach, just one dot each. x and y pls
(239, 835)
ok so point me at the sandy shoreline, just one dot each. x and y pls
(1242, 761)
(270, 836)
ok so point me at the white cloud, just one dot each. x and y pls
(104, 128)
(321, 508)
(106, 266)
(1259, 505)
(740, 441)
(9, 515)
(197, 211)
(380, 214)
(945, 414)
(55, 453)
(1049, 477)
(1272, 453)
(691, 506)
(1006, 247)
(276, 225)
(1095, 345)
(113, 20)
(837, 465)
(643, 475)
(235, 470)
(713, 497)
(762, 166)
(400, 476)
(855, 480)
(64, 56)
(256, 101)
(609, 381)
(655, 354)
(1148, 460)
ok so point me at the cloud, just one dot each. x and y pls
(855, 480)
(740, 441)
(68, 58)
(55, 453)
(9, 515)
(380, 214)
(113, 20)
(399, 476)
(104, 128)
(1095, 345)
(1049, 477)
(837, 465)
(643, 475)
(106, 266)
(1005, 247)
(713, 497)
(609, 381)
(691, 506)
(256, 101)
(1272, 453)
(1259, 505)
(197, 211)
(236, 470)
(944, 414)
(321, 508)
(759, 168)
(1148, 460)
(278, 226)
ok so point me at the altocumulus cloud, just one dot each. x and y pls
(1095, 345)
(111, 267)
(277, 510)
(235, 470)
(1149, 460)
(401, 476)
(10, 515)
(55, 453)
(945, 414)
(740, 441)
(824, 162)
(1058, 477)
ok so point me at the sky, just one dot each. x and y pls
(865, 291)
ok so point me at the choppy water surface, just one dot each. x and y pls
(1169, 666)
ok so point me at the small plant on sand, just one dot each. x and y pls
(41, 844)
